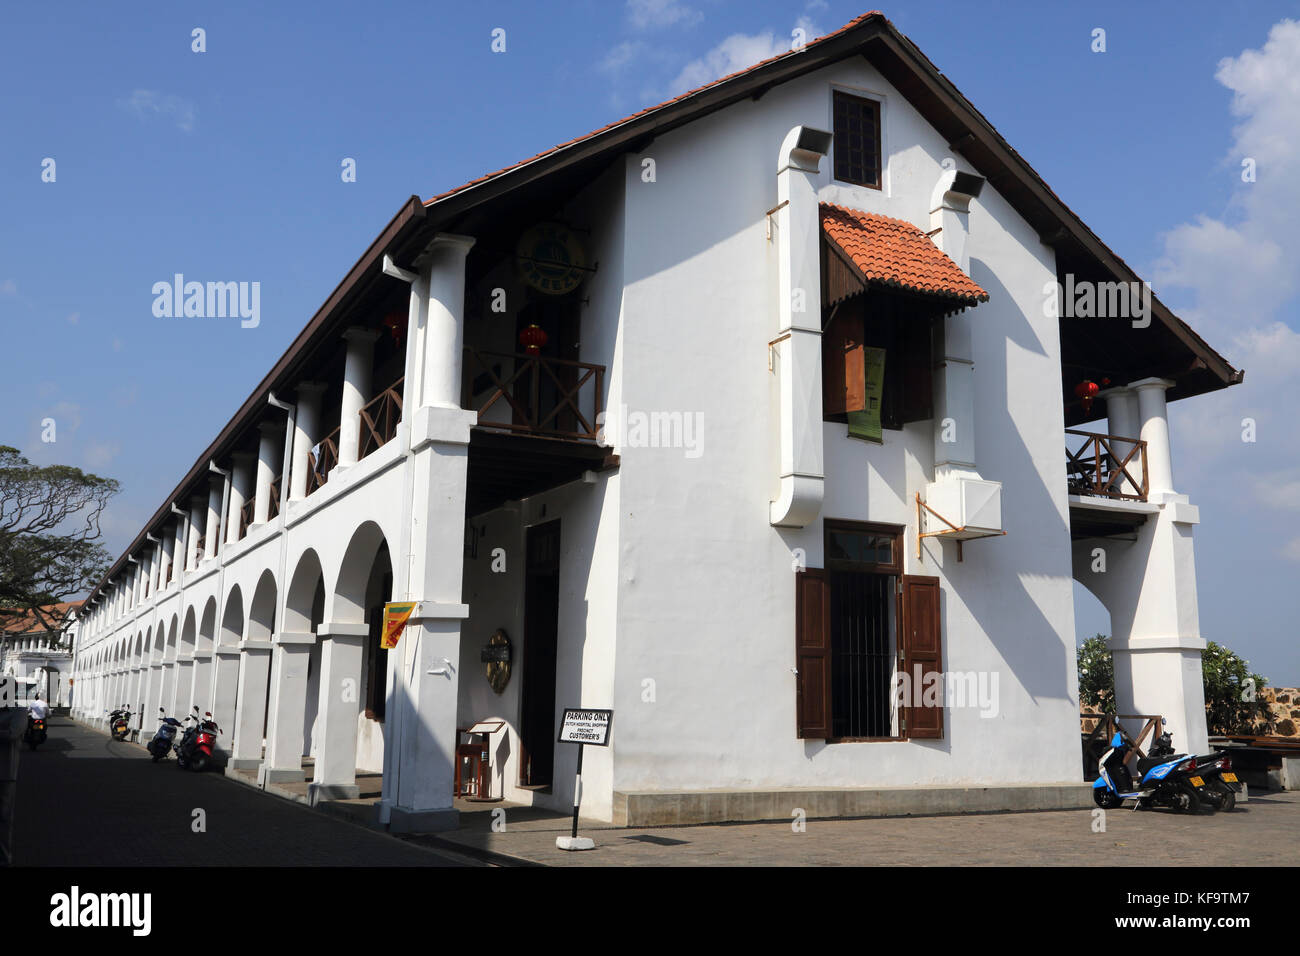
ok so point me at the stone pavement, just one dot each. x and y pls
(1263, 832)
(87, 800)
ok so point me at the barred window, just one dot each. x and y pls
(857, 140)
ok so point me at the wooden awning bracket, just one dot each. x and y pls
(952, 529)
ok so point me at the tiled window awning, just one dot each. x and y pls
(867, 248)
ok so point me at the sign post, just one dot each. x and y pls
(582, 727)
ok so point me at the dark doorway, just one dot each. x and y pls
(541, 633)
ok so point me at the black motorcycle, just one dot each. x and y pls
(119, 722)
(35, 734)
(1211, 774)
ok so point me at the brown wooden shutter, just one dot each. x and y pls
(920, 647)
(844, 371)
(813, 653)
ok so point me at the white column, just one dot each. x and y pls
(1122, 421)
(250, 706)
(305, 433)
(268, 459)
(1155, 432)
(287, 707)
(212, 526)
(336, 728)
(444, 325)
(357, 372)
(225, 687)
(241, 481)
(168, 547)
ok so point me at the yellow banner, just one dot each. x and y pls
(395, 618)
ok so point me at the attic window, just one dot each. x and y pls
(857, 140)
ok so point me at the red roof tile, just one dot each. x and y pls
(896, 253)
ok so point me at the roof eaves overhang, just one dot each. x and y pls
(404, 226)
(970, 133)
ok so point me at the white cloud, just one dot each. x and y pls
(1240, 270)
(656, 14)
(148, 104)
(623, 56)
(738, 52)
(100, 454)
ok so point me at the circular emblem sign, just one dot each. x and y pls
(551, 259)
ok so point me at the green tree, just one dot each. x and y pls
(1097, 674)
(49, 533)
(1233, 703)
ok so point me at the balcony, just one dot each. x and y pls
(1106, 466)
(534, 394)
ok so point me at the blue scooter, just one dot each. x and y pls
(1164, 780)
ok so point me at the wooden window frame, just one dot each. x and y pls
(877, 109)
(894, 568)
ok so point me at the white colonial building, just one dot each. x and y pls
(722, 417)
(37, 652)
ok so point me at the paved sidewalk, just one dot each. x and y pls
(1263, 832)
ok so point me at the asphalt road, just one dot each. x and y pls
(87, 800)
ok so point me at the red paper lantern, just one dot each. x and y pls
(533, 338)
(1086, 391)
(395, 323)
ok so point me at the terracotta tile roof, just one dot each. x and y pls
(658, 106)
(896, 253)
(15, 622)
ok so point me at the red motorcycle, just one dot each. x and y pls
(195, 749)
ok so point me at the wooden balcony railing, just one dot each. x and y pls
(246, 516)
(1107, 466)
(273, 511)
(379, 419)
(546, 396)
(321, 461)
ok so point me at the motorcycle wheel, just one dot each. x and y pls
(200, 764)
(156, 758)
(1196, 804)
(1105, 799)
(182, 763)
(1224, 799)
(31, 744)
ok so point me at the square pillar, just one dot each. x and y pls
(419, 765)
(288, 705)
(254, 676)
(340, 703)
(225, 688)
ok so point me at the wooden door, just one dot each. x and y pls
(541, 637)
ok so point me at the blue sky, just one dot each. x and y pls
(225, 164)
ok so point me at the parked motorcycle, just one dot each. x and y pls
(119, 722)
(161, 744)
(1220, 784)
(1164, 779)
(35, 733)
(196, 745)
